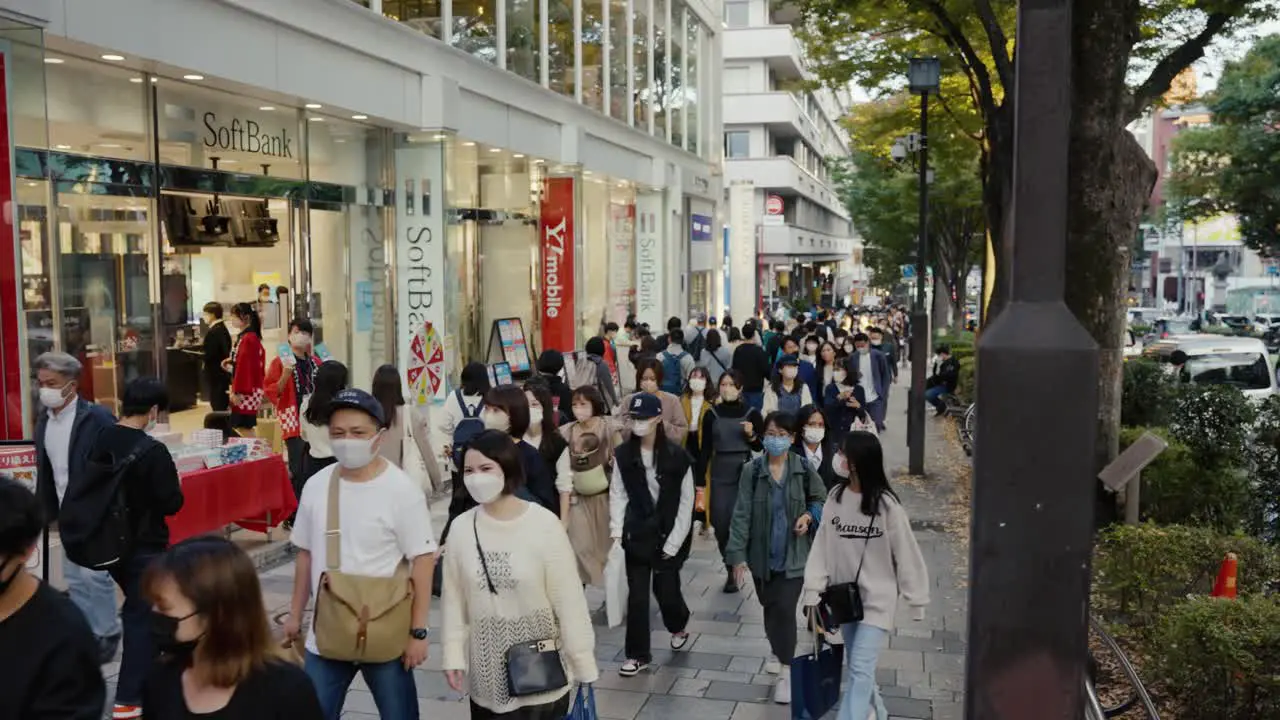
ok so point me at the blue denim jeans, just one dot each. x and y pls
(95, 594)
(862, 646)
(392, 687)
(933, 396)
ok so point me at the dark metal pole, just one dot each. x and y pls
(919, 315)
(1033, 486)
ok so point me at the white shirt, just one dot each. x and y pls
(813, 456)
(317, 436)
(866, 380)
(618, 503)
(695, 411)
(564, 476)
(383, 522)
(57, 444)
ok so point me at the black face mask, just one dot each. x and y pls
(164, 631)
(7, 582)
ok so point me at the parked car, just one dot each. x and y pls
(1217, 360)
(1172, 327)
(1238, 324)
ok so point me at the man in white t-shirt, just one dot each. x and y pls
(383, 522)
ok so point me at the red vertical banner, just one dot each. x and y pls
(556, 230)
(11, 340)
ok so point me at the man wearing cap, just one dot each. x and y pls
(383, 523)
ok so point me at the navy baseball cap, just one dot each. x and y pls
(644, 405)
(788, 360)
(357, 399)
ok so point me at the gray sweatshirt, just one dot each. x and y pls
(893, 567)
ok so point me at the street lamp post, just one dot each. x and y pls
(923, 78)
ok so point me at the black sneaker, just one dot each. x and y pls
(729, 585)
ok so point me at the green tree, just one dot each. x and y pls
(1115, 41)
(1233, 165)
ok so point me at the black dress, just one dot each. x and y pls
(277, 691)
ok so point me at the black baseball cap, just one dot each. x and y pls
(357, 399)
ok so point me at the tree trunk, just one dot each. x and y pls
(1111, 181)
(941, 302)
(997, 199)
(957, 309)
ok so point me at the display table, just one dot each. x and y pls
(256, 495)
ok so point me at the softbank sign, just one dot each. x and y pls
(246, 136)
(555, 226)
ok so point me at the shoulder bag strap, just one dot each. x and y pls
(865, 546)
(333, 530)
(475, 529)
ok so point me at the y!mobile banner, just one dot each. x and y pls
(11, 360)
(556, 228)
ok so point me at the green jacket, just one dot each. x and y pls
(753, 516)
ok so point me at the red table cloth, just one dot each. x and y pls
(245, 494)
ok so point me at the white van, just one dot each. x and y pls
(1241, 362)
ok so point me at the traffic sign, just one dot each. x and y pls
(908, 271)
(773, 205)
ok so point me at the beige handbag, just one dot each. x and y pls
(359, 618)
(588, 455)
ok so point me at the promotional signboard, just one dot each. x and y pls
(508, 343)
(18, 461)
(699, 228)
(742, 255)
(420, 269)
(556, 230)
(12, 367)
(622, 234)
(650, 265)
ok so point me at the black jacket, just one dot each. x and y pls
(217, 347)
(946, 373)
(152, 489)
(91, 420)
(562, 394)
(824, 470)
(753, 362)
(647, 525)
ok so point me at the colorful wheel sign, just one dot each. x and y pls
(426, 369)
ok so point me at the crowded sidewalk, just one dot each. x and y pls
(719, 676)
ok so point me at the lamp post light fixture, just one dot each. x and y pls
(924, 77)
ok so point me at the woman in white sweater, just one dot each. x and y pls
(865, 538)
(510, 578)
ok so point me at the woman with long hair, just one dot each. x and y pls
(591, 441)
(777, 513)
(786, 391)
(506, 408)
(543, 434)
(462, 404)
(730, 433)
(699, 394)
(815, 443)
(217, 657)
(404, 425)
(649, 376)
(828, 359)
(248, 368)
(651, 515)
(845, 401)
(331, 378)
(868, 543)
(716, 356)
(509, 579)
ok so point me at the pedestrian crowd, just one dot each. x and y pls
(598, 469)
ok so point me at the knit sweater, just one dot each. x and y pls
(539, 596)
(893, 566)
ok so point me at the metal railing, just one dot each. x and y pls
(1138, 696)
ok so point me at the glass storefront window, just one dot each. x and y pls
(661, 68)
(593, 40)
(96, 110)
(421, 15)
(692, 83)
(621, 240)
(524, 51)
(619, 56)
(204, 128)
(641, 40)
(593, 301)
(560, 44)
(475, 28)
(675, 90)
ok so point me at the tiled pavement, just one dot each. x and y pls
(718, 677)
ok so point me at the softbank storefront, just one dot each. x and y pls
(138, 189)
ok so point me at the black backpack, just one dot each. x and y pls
(467, 428)
(94, 521)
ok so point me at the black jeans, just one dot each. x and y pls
(135, 617)
(555, 710)
(666, 588)
(779, 596)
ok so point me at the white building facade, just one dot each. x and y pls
(412, 175)
(785, 218)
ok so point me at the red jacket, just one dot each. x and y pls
(286, 402)
(248, 363)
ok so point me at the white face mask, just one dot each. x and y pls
(839, 376)
(484, 488)
(581, 414)
(53, 398)
(495, 420)
(810, 349)
(840, 465)
(535, 417)
(730, 394)
(814, 435)
(790, 372)
(697, 384)
(640, 428)
(649, 386)
(300, 341)
(354, 453)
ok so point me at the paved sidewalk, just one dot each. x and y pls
(718, 676)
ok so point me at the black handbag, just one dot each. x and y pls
(534, 666)
(842, 603)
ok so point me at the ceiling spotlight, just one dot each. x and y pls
(439, 137)
(155, 79)
(61, 147)
(313, 106)
(136, 80)
(468, 144)
(517, 155)
(267, 108)
(53, 61)
(316, 119)
(359, 117)
(109, 145)
(497, 150)
(113, 57)
(192, 76)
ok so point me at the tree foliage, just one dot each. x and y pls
(1233, 165)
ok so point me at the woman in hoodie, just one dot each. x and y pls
(865, 539)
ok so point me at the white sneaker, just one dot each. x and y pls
(772, 666)
(782, 690)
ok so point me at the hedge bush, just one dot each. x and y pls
(1140, 571)
(1182, 489)
(1264, 516)
(1220, 659)
(1215, 421)
(1145, 394)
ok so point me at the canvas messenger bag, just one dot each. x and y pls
(359, 618)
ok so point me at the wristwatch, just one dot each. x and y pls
(418, 633)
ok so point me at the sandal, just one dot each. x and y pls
(631, 668)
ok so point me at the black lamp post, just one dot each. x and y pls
(923, 77)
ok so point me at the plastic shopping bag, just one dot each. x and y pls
(584, 705)
(615, 585)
